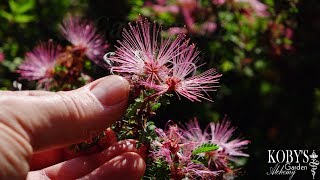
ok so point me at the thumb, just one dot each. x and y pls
(57, 119)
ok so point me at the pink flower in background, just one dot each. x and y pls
(85, 37)
(187, 8)
(177, 30)
(208, 27)
(163, 9)
(143, 53)
(188, 4)
(218, 2)
(182, 78)
(289, 35)
(259, 8)
(2, 56)
(39, 63)
(162, 2)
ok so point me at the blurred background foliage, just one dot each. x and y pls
(268, 54)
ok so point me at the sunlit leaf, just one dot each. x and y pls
(207, 147)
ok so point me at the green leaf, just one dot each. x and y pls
(23, 18)
(248, 71)
(155, 107)
(22, 7)
(12, 65)
(26, 6)
(6, 15)
(87, 65)
(59, 69)
(227, 66)
(132, 109)
(156, 169)
(206, 147)
(265, 88)
(13, 5)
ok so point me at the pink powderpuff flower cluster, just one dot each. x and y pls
(173, 148)
(259, 8)
(176, 144)
(39, 63)
(162, 64)
(217, 133)
(2, 56)
(83, 35)
(201, 19)
(218, 2)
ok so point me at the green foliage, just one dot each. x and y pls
(147, 135)
(240, 38)
(155, 106)
(133, 107)
(19, 11)
(136, 123)
(207, 147)
(87, 65)
(12, 66)
(60, 69)
(157, 169)
(136, 9)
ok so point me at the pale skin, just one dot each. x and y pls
(35, 121)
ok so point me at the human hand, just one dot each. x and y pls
(35, 121)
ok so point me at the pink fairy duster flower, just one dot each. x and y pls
(39, 63)
(189, 4)
(187, 8)
(171, 138)
(192, 131)
(172, 147)
(183, 81)
(164, 153)
(208, 27)
(168, 8)
(288, 33)
(161, 2)
(84, 37)
(171, 142)
(167, 144)
(2, 56)
(165, 66)
(218, 2)
(196, 170)
(259, 8)
(177, 30)
(141, 52)
(221, 134)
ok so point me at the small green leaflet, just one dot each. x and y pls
(155, 106)
(206, 147)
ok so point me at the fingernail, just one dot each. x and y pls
(111, 90)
